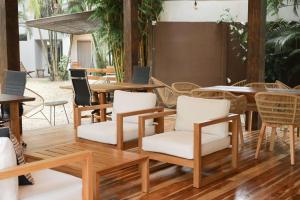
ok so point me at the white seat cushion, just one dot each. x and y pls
(132, 101)
(50, 185)
(8, 187)
(192, 110)
(106, 132)
(181, 143)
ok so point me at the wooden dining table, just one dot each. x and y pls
(250, 92)
(13, 101)
(102, 89)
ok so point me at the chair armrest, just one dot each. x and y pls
(120, 118)
(94, 107)
(156, 115)
(198, 130)
(159, 128)
(83, 156)
(228, 118)
(139, 112)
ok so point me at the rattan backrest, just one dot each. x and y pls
(238, 104)
(262, 85)
(240, 83)
(184, 87)
(282, 85)
(297, 87)
(275, 108)
(165, 94)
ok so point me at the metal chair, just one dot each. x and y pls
(34, 107)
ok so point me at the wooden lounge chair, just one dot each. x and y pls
(49, 184)
(122, 131)
(238, 104)
(201, 133)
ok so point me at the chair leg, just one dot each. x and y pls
(260, 139)
(241, 134)
(273, 135)
(250, 118)
(46, 118)
(66, 114)
(292, 144)
(197, 173)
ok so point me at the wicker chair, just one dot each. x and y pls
(297, 87)
(281, 85)
(184, 88)
(262, 85)
(238, 104)
(277, 110)
(166, 95)
(240, 83)
(251, 107)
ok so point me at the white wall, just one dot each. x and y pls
(210, 11)
(207, 11)
(86, 37)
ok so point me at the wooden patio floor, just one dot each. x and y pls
(271, 177)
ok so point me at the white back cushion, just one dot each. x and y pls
(8, 187)
(192, 110)
(132, 101)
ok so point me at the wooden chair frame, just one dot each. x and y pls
(198, 160)
(87, 170)
(119, 123)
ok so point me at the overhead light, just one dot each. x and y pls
(195, 5)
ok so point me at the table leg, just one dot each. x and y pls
(15, 120)
(102, 100)
(145, 175)
(97, 187)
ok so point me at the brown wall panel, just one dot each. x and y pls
(191, 51)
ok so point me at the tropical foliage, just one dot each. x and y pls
(110, 14)
(273, 6)
(283, 51)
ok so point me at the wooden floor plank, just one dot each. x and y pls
(269, 177)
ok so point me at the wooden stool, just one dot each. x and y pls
(54, 104)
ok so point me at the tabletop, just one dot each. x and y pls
(105, 159)
(110, 87)
(251, 90)
(6, 98)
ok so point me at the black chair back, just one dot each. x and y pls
(141, 75)
(14, 83)
(81, 87)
